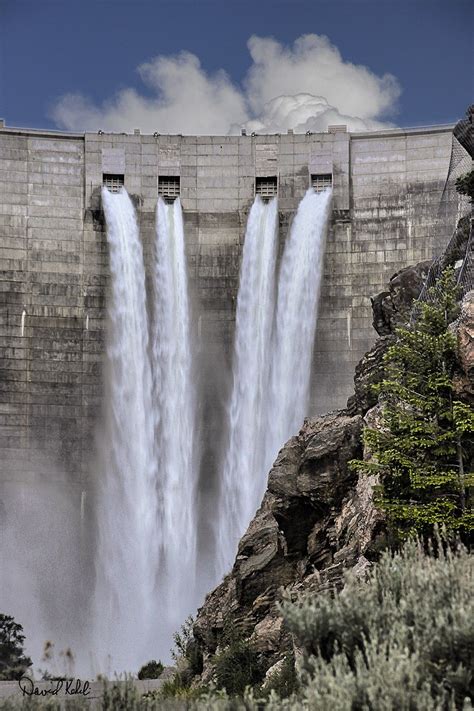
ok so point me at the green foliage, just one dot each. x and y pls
(189, 664)
(171, 688)
(423, 448)
(186, 647)
(182, 638)
(151, 670)
(237, 665)
(121, 696)
(175, 688)
(401, 639)
(13, 662)
(117, 696)
(465, 184)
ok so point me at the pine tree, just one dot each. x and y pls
(423, 449)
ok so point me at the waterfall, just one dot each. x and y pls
(272, 357)
(146, 556)
(174, 410)
(127, 546)
(244, 474)
(296, 314)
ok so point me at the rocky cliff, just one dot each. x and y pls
(317, 517)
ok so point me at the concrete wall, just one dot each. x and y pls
(54, 261)
(44, 372)
(396, 182)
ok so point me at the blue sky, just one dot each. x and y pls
(50, 48)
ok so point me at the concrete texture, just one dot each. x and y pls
(54, 261)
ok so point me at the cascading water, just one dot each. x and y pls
(244, 473)
(174, 419)
(272, 369)
(296, 316)
(145, 582)
(127, 547)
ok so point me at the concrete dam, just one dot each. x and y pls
(365, 205)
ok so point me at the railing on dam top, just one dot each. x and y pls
(460, 254)
(466, 274)
(458, 208)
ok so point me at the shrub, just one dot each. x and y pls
(237, 667)
(182, 638)
(186, 647)
(13, 662)
(176, 688)
(151, 670)
(401, 639)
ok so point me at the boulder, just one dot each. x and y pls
(391, 308)
(465, 335)
(272, 673)
(368, 372)
(267, 634)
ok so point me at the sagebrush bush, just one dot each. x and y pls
(401, 639)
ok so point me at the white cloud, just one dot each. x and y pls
(187, 101)
(304, 87)
(305, 112)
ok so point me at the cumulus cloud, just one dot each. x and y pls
(187, 100)
(306, 86)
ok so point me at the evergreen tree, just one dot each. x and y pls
(13, 662)
(423, 449)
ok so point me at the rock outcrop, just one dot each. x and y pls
(315, 521)
(317, 518)
(392, 307)
(465, 335)
(368, 372)
(463, 328)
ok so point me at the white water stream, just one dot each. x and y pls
(244, 476)
(147, 517)
(296, 316)
(272, 357)
(128, 526)
(174, 413)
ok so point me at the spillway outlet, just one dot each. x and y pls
(169, 187)
(113, 182)
(266, 187)
(321, 181)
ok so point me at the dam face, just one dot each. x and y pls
(54, 263)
